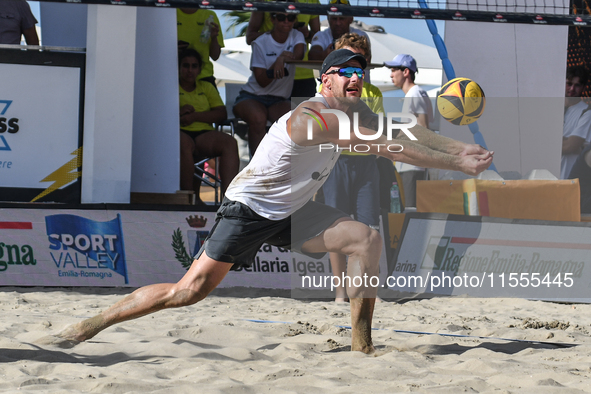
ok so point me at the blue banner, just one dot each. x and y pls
(98, 241)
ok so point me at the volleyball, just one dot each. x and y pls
(461, 101)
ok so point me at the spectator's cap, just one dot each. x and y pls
(341, 56)
(343, 2)
(406, 61)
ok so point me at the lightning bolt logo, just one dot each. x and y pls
(63, 175)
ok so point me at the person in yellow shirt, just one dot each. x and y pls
(199, 29)
(200, 105)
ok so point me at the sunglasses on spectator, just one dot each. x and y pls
(282, 17)
(348, 72)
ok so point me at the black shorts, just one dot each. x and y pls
(239, 232)
(195, 134)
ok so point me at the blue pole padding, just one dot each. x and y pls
(451, 74)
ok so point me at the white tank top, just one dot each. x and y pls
(282, 176)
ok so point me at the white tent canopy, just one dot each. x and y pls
(229, 70)
(384, 46)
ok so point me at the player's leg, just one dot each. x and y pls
(337, 194)
(203, 276)
(236, 236)
(366, 192)
(363, 246)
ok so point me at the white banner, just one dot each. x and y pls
(39, 123)
(494, 258)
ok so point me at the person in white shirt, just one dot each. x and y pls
(417, 102)
(576, 132)
(270, 202)
(323, 42)
(266, 95)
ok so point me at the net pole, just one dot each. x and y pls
(451, 74)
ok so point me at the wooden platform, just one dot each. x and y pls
(181, 197)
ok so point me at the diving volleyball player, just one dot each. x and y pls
(270, 202)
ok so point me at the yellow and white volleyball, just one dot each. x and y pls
(461, 101)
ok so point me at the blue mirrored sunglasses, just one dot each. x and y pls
(348, 72)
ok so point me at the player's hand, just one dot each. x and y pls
(476, 163)
(473, 149)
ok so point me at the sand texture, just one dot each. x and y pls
(211, 347)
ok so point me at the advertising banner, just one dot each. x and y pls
(40, 131)
(486, 257)
(130, 248)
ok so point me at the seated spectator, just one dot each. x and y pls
(304, 84)
(266, 95)
(199, 29)
(576, 132)
(200, 106)
(324, 41)
(16, 20)
(582, 169)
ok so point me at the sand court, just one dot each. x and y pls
(214, 347)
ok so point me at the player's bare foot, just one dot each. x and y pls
(361, 316)
(362, 346)
(55, 340)
(72, 333)
(84, 330)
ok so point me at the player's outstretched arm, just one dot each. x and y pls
(441, 143)
(430, 150)
(470, 159)
(471, 163)
(424, 136)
